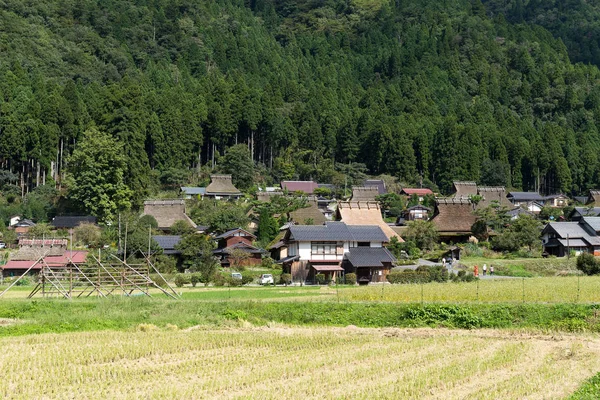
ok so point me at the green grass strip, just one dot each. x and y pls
(590, 390)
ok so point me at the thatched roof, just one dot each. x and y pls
(491, 194)
(167, 212)
(594, 197)
(364, 193)
(221, 184)
(454, 215)
(32, 249)
(464, 189)
(364, 213)
(311, 213)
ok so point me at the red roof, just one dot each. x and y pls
(307, 187)
(418, 192)
(77, 257)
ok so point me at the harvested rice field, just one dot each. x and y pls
(280, 362)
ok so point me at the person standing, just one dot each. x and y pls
(484, 269)
(476, 271)
(491, 269)
(444, 261)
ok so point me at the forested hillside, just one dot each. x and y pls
(425, 91)
(576, 22)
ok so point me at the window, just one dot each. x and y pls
(364, 244)
(323, 247)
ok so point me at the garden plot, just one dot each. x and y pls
(311, 363)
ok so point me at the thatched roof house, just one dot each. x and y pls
(310, 215)
(594, 197)
(493, 195)
(221, 186)
(453, 219)
(464, 189)
(364, 213)
(167, 212)
(364, 193)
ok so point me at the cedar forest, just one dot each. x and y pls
(145, 95)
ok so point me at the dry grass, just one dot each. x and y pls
(310, 363)
(537, 290)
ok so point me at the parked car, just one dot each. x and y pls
(2, 245)
(236, 275)
(266, 279)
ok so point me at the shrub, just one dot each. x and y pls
(180, 280)
(194, 279)
(231, 281)
(247, 278)
(588, 264)
(320, 278)
(218, 280)
(285, 279)
(350, 279)
(24, 281)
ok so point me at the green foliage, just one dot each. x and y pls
(195, 278)
(181, 279)
(96, 170)
(219, 216)
(590, 390)
(423, 233)
(268, 228)
(238, 162)
(350, 279)
(147, 221)
(320, 279)
(588, 264)
(88, 234)
(285, 279)
(40, 230)
(523, 232)
(181, 227)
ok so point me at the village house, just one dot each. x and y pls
(378, 183)
(72, 221)
(234, 242)
(414, 213)
(221, 188)
(22, 226)
(556, 201)
(493, 196)
(580, 212)
(167, 212)
(364, 213)
(420, 193)
(593, 197)
(583, 236)
(364, 193)
(33, 254)
(191, 192)
(464, 189)
(530, 201)
(334, 249)
(306, 187)
(453, 219)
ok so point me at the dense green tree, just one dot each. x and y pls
(96, 171)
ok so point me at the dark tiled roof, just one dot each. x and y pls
(525, 196)
(586, 211)
(65, 221)
(367, 233)
(379, 183)
(334, 231)
(369, 256)
(233, 231)
(193, 190)
(168, 243)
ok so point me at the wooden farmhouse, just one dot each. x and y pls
(334, 249)
(234, 242)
